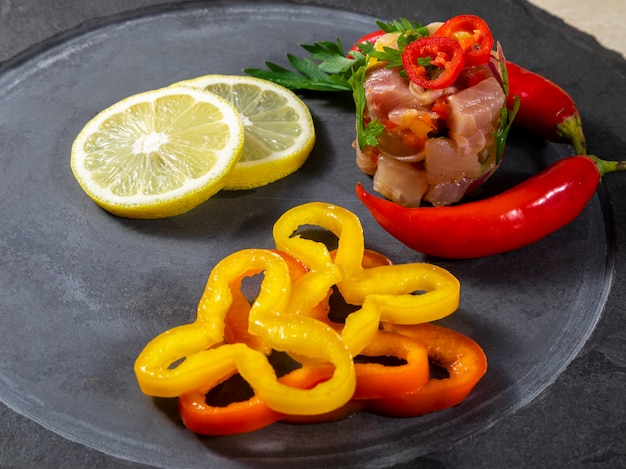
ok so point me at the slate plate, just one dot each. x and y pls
(81, 292)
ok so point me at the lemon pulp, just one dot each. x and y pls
(158, 153)
(279, 132)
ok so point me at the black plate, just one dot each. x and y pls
(81, 292)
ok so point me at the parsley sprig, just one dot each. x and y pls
(327, 68)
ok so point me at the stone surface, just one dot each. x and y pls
(579, 421)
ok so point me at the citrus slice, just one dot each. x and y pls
(279, 132)
(159, 153)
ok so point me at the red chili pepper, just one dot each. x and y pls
(515, 218)
(433, 62)
(473, 34)
(545, 108)
(460, 356)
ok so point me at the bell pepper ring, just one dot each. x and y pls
(200, 357)
(253, 414)
(188, 345)
(238, 316)
(341, 371)
(462, 357)
(312, 288)
(383, 292)
(376, 380)
(433, 62)
(308, 376)
(237, 417)
(473, 35)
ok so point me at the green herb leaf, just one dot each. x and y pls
(365, 134)
(327, 68)
(403, 25)
(392, 57)
(295, 81)
(506, 116)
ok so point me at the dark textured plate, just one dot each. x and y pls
(81, 292)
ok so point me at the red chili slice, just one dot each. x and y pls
(433, 62)
(473, 34)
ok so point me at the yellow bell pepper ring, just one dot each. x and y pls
(303, 337)
(179, 360)
(290, 314)
(312, 288)
(391, 299)
(339, 221)
(385, 292)
(188, 357)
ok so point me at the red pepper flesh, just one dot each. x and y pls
(545, 108)
(515, 218)
(445, 59)
(473, 34)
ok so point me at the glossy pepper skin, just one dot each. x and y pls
(233, 335)
(446, 58)
(515, 218)
(545, 108)
(460, 356)
(202, 359)
(473, 34)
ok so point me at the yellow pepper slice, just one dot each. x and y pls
(188, 357)
(311, 288)
(385, 292)
(284, 316)
(391, 298)
(176, 361)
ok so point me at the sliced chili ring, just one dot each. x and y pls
(473, 34)
(433, 62)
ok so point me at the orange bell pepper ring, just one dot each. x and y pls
(376, 380)
(463, 359)
(252, 414)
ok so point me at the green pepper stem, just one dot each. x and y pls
(606, 166)
(571, 129)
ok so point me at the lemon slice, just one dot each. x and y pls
(279, 132)
(159, 153)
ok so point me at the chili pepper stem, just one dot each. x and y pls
(571, 129)
(606, 166)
